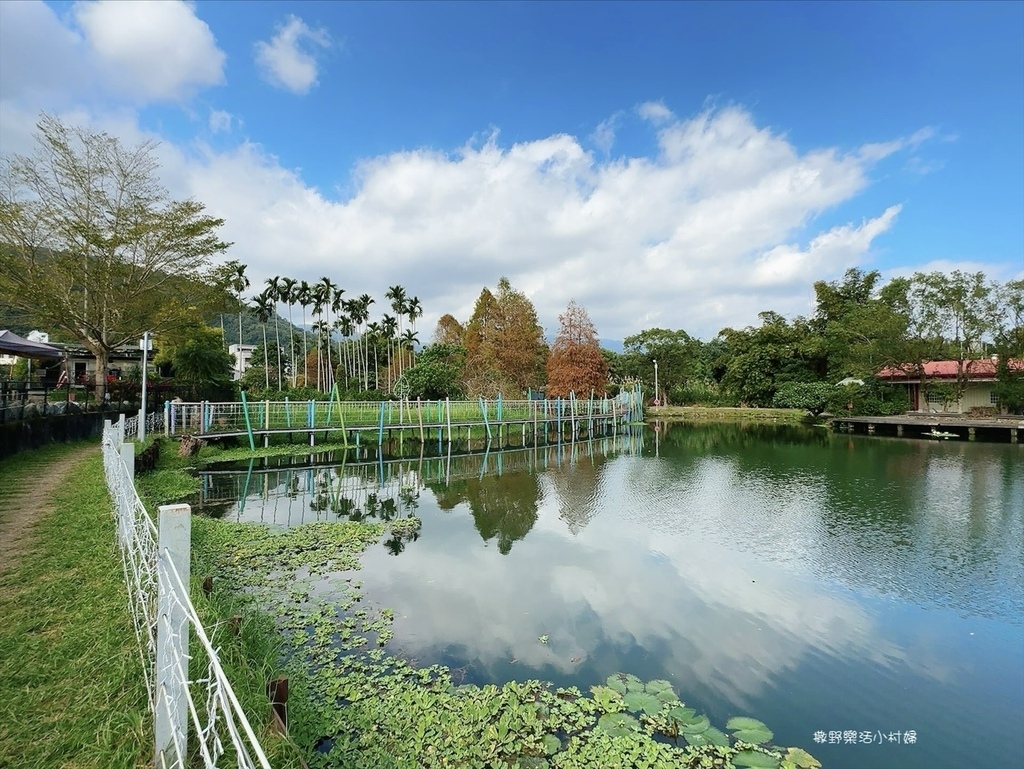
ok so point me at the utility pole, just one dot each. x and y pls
(656, 401)
(145, 344)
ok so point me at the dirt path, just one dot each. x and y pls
(33, 500)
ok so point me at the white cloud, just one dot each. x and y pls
(151, 50)
(824, 254)
(604, 135)
(654, 111)
(880, 150)
(288, 61)
(220, 120)
(715, 228)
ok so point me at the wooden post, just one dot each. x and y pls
(419, 410)
(277, 692)
(172, 632)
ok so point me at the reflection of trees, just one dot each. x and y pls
(576, 485)
(726, 435)
(503, 507)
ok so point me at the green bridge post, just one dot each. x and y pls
(483, 410)
(248, 422)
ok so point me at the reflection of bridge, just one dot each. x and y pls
(328, 488)
(445, 420)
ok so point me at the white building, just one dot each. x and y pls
(243, 358)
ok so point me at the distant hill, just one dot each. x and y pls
(615, 345)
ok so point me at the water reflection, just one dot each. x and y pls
(819, 581)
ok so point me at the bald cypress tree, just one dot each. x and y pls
(576, 363)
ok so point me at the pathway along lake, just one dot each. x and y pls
(862, 596)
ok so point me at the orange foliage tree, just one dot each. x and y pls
(576, 363)
(505, 348)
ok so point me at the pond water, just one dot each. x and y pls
(862, 596)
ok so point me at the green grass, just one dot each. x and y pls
(727, 414)
(71, 687)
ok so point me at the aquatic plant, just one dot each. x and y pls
(355, 704)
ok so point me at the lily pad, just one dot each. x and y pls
(755, 760)
(749, 730)
(753, 736)
(710, 736)
(633, 683)
(642, 701)
(616, 682)
(618, 724)
(606, 698)
(658, 685)
(551, 744)
(667, 696)
(695, 725)
(743, 722)
(802, 759)
(682, 714)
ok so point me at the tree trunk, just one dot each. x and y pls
(100, 378)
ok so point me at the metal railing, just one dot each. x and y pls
(156, 567)
(249, 417)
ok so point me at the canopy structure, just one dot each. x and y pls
(12, 344)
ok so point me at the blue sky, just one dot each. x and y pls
(684, 165)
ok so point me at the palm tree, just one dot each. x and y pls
(398, 300)
(287, 296)
(332, 301)
(334, 293)
(262, 308)
(321, 334)
(239, 283)
(373, 333)
(413, 310)
(273, 292)
(409, 341)
(365, 300)
(316, 294)
(389, 328)
(304, 297)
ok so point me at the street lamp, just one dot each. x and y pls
(656, 401)
(146, 345)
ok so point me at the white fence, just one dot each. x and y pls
(154, 423)
(156, 567)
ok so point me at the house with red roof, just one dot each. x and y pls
(979, 394)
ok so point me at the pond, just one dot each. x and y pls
(862, 596)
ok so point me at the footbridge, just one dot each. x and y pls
(358, 421)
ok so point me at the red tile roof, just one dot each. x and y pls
(979, 369)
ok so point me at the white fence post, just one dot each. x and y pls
(171, 706)
(120, 428)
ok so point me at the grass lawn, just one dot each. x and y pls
(71, 686)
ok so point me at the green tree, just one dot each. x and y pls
(948, 317)
(197, 359)
(94, 246)
(860, 330)
(676, 354)
(438, 373)
(759, 359)
(814, 397)
(1009, 347)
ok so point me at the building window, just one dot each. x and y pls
(934, 397)
(993, 398)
